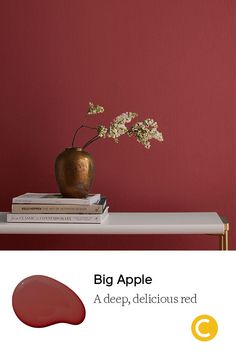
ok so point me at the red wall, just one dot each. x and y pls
(171, 60)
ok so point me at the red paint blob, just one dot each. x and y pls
(40, 301)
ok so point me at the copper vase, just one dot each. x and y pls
(74, 170)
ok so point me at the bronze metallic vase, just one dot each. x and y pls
(74, 170)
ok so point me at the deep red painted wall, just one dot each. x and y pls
(172, 60)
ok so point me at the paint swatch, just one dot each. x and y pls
(40, 301)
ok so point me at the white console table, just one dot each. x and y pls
(208, 223)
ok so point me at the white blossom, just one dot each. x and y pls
(118, 127)
(125, 117)
(145, 131)
(102, 131)
(95, 109)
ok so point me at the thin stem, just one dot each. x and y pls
(86, 126)
(96, 137)
(82, 126)
(72, 144)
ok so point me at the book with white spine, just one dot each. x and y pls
(96, 208)
(54, 198)
(58, 218)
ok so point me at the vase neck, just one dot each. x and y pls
(74, 148)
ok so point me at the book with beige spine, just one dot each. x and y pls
(96, 208)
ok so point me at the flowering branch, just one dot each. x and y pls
(143, 131)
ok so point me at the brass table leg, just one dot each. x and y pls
(224, 239)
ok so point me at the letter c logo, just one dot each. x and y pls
(204, 328)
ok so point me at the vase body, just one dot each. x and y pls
(74, 171)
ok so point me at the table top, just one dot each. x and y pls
(127, 223)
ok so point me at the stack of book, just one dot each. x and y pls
(53, 208)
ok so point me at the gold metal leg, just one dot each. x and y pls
(221, 242)
(224, 239)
